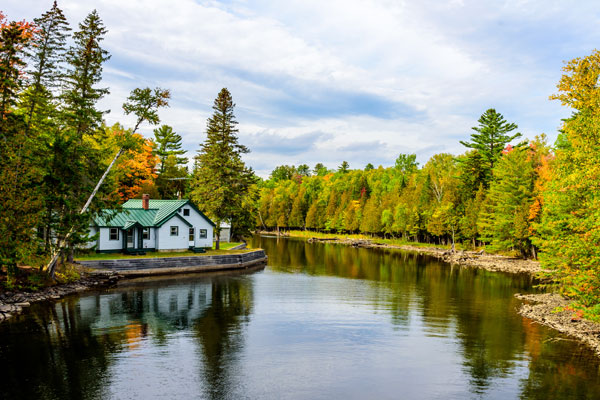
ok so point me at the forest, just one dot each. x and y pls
(519, 197)
(506, 193)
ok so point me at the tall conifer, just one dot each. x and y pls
(221, 180)
(168, 144)
(85, 59)
(493, 134)
(46, 63)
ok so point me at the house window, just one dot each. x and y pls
(174, 231)
(191, 239)
(114, 234)
(203, 233)
(146, 234)
(186, 212)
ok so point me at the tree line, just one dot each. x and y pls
(524, 197)
(482, 196)
(509, 194)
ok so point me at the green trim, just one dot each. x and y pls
(109, 251)
(201, 213)
(176, 213)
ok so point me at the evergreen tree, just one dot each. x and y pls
(47, 60)
(344, 167)
(168, 144)
(85, 58)
(491, 138)
(221, 180)
(76, 164)
(504, 219)
(369, 167)
(174, 181)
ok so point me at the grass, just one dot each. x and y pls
(113, 256)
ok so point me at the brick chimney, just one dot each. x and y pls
(145, 201)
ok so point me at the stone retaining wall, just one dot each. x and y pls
(168, 265)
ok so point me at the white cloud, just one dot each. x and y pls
(446, 61)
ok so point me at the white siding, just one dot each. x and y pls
(104, 242)
(199, 222)
(150, 243)
(168, 242)
(89, 245)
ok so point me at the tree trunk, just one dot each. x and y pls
(60, 245)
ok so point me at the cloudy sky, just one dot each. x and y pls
(333, 80)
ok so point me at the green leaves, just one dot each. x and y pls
(144, 104)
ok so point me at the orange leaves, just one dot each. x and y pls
(137, 169)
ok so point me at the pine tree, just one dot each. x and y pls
(344, 167)
(85, 59)
(47, 59)
(503, 221)
(168, 144)
(491, 138)
(221, 180)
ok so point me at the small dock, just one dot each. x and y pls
(132, 267)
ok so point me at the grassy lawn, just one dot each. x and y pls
(112, 256)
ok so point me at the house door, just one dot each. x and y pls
(191, 239)
(130, 238)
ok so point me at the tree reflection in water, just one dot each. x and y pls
(324, 320)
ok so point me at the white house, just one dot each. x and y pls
(153, 225)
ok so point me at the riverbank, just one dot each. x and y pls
(107, 272)
(13, 302)
(550, 309)
(475, 259)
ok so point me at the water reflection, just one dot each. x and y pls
(322, 321)
(475, 307)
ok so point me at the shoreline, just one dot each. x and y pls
(475, 259)
(13, 302)
(540, 308)
(107, 273)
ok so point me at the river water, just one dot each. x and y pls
(321, 321)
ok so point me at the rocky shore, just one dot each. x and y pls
(13, 302)
(549, 309)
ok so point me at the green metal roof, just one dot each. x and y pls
(164, 207)
(159, 211)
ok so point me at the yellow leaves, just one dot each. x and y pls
(578, 87)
